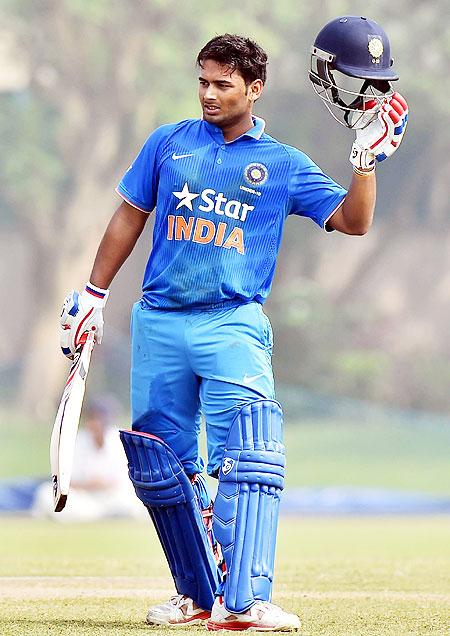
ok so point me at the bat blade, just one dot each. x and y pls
(65, 428)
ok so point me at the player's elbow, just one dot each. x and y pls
(360, 230)
(359, 224)
(353, 219)
(357, 227)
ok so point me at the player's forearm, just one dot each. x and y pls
(359, 205)
(117, 244)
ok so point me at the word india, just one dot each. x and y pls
(200, 230)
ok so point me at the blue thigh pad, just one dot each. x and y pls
(245, 517)
(162, 485)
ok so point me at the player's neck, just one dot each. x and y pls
(237, 128)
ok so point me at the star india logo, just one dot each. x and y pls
(227, 465)
(185, 197)
(375, 49)
(256, 174)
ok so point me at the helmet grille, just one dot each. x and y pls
(348, 99)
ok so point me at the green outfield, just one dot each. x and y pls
(345, 577)
(320, 452)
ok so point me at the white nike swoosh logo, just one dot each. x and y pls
(175, 156)
(248, 379)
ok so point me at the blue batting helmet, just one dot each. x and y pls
(347, 50)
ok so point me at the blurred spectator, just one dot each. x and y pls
(100, 486)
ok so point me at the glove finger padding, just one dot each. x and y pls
(397, 111)
(381, 138)
(81, 313)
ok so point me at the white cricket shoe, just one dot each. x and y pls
(180, 611)
(261, 617)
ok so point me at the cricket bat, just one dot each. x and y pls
(65, 428)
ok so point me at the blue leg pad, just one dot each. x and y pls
(245, 517)
(162, 485)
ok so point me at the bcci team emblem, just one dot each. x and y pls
(256, 174)
(375, 48)
(227, 465)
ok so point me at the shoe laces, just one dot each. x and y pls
(269, 606)
(177, 598)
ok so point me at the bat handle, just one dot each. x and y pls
(85, 336)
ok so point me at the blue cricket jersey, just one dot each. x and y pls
(220, 211)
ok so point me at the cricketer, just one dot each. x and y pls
(221, 189)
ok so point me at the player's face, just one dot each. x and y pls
(225, 99)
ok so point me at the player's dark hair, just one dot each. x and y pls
(237, 53)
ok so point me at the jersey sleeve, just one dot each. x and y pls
(312, 193)
(139, 184)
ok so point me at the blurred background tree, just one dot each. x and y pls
(82, 84)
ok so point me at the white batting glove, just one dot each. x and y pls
(380, 139)
(82, 313)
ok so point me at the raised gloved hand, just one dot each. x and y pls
(381, 138)
(82, 313)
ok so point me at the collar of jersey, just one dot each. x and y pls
(256, 132)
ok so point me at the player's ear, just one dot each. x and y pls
(255, 90)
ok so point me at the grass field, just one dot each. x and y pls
(345, 577)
